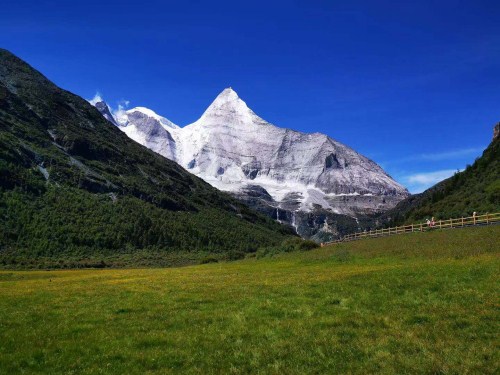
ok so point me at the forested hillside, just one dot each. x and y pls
(476, 189)
(73, 186)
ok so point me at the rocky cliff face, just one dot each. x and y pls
(105, 111)
(274, 169)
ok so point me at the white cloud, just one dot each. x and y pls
(419, 182)
(430, 177)
(450, 155)
(124, 103)
(438, 156)
(96, 99)
(119, 112)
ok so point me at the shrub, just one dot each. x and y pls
(209, 259)
(295, 244)
(306, 245)
(298, 244)
(235, 255)
(262, 252)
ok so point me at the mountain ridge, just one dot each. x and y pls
(73, 185)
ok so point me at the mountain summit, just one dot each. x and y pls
(227, 95)
(229, 109)
(287, 172)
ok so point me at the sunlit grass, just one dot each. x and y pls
(422, 303)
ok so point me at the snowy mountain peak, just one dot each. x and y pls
(146, 112)
(104, 108)
(227, 101)
(228, 94)
(229, 109)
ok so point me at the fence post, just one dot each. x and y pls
(487, 218)
(462, 221)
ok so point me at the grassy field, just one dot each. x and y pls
(418, 303)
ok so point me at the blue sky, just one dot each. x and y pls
(414, 85)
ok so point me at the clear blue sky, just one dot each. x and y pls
(414, 85)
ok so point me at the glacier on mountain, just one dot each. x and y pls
(235, 150)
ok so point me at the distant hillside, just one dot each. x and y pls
(72, 185)
(477, 188)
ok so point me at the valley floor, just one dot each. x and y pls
(417, 303)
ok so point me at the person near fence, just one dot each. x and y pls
(433, 222)
(428, 222)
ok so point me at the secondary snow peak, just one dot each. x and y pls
(148, 113)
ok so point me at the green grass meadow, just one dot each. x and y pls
(422, 303)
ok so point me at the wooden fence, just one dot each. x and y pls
(421, 227)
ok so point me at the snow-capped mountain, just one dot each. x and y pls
(237, 151)
(149, 129)
(104, 109)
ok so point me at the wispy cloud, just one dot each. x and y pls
(118, 111)
(450, 155)
(124, 103)
(96, 99)
(437, 156)
(430, 177)
(419, 182)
